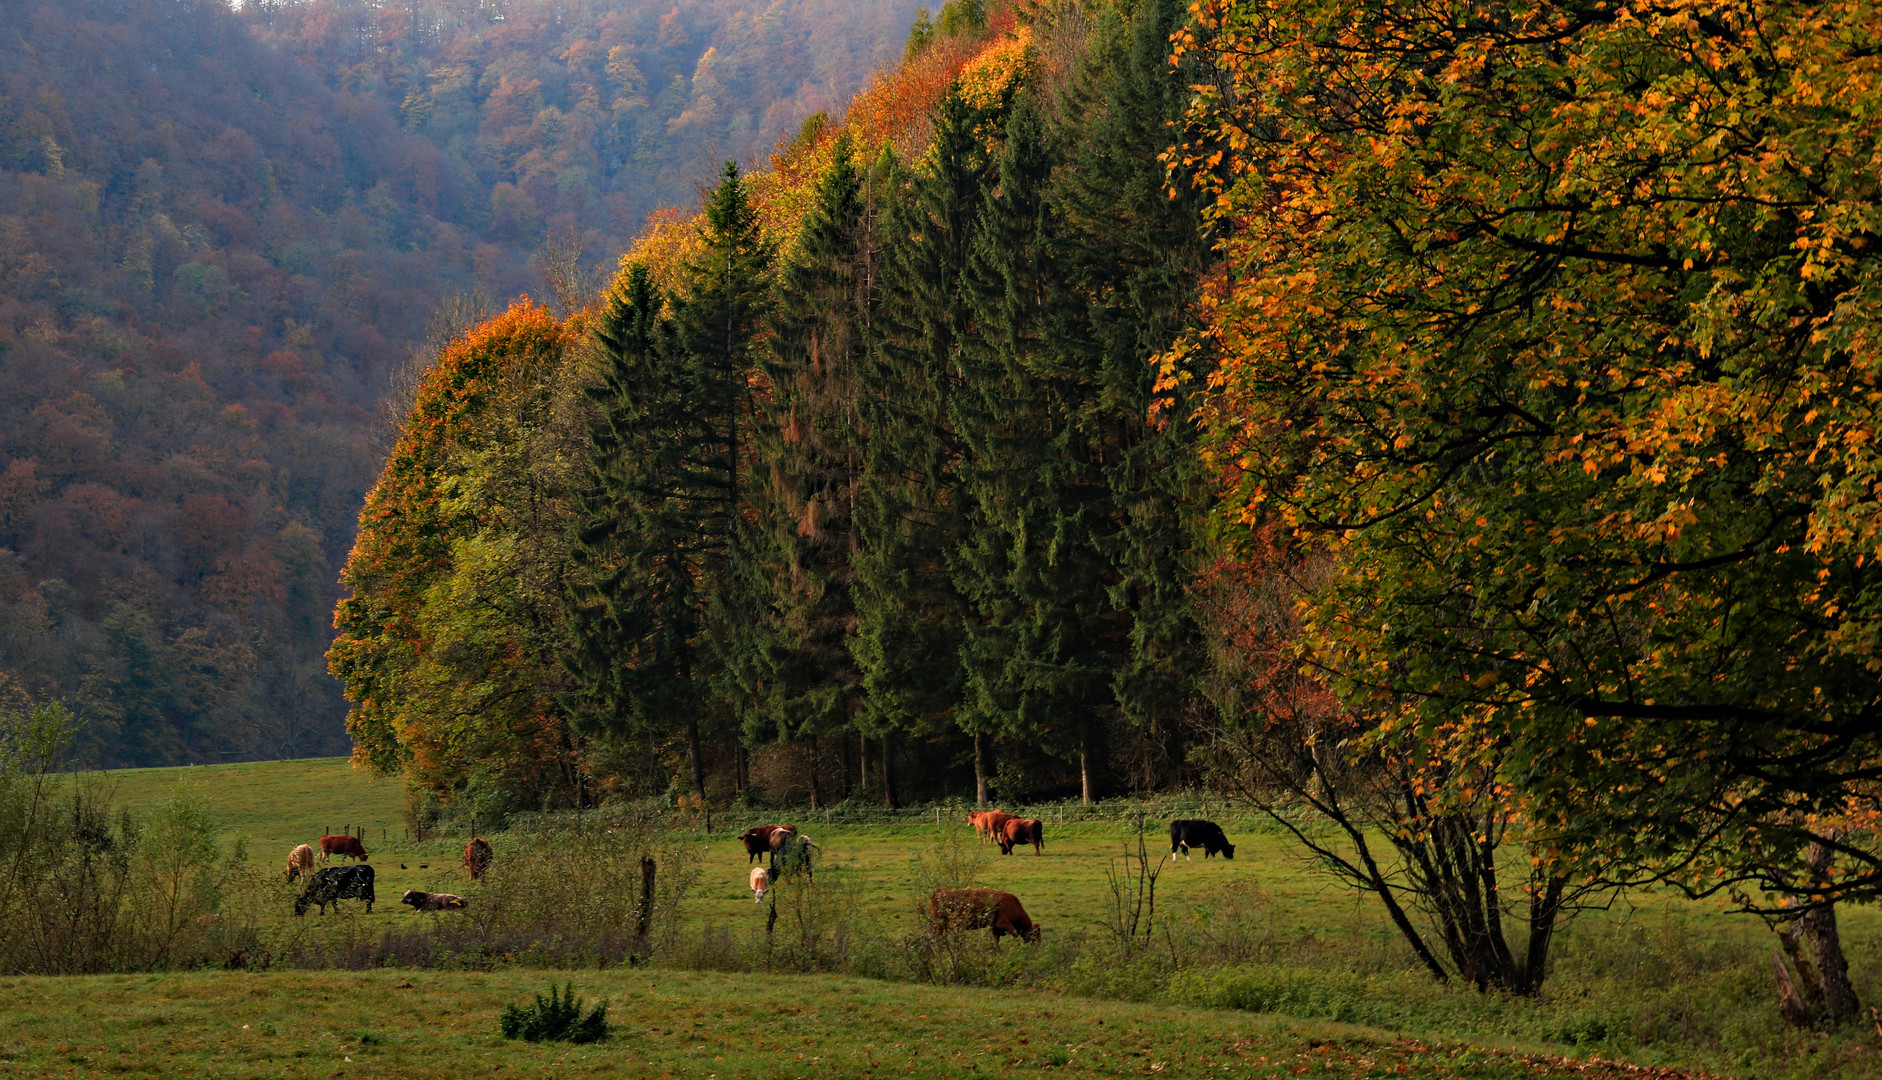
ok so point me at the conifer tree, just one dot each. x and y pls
(653, 599)
(800, 680)
(911, 512)
(1134, 247)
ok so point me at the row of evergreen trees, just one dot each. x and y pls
(903, 480)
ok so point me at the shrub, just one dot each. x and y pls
(556, 1018)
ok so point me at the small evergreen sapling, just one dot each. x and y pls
(556, 1018)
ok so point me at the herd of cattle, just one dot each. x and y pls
(788, 852)
(964, 909)
(332, 884)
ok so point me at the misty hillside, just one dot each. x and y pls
(221, 231)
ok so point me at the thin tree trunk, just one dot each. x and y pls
(888, 771)
(843, 751)
(1084, 776)
(694, 758)
(741, 769)
(814, 790)
(862, 766)
(980, 771)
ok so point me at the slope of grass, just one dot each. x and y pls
(397, 1024)
(276, 804)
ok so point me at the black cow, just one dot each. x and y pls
(334, 884)
(1195, 833)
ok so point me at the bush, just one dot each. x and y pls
(557, 1018)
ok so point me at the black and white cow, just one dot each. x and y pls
(333, 884)
(1195, 833)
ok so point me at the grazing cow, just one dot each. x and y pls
(332, 884)
(1196, 833)
(300, 862)
(1021, 830)
(790, 853)
(431, 901)
(982, 821)
(760, 882)
(990, 823)
(971, 909)
(757, 840)
(342, 845)
(477, 857)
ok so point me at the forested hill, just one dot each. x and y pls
(222, 231)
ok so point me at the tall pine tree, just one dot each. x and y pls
(800, 680)
(912, 513)
(653, 605)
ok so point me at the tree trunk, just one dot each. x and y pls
(843, 751)
(980, 772)
(862, 764)
(1819, 987)
(1084, 776)
(741, 769)
(888, 771)
(694, 758)
(815, 803)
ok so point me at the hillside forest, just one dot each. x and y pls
(225, 230)
(1452, 436)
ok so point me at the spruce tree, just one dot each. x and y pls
(653, 602)
(799, 678)
(1133, 246)
(911, 514)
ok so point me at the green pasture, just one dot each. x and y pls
(1652, 979)
(678, 1024)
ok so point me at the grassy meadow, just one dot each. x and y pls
(1236, 946)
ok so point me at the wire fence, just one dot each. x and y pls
(657, 814)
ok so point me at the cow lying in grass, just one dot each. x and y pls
(332, 884)
(972, 909)
(431, 901)
(300, 863)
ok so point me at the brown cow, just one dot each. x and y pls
(971, 909)
(342, 845)
(431, 901)
(477, 856)
(300, 863)
(1021, 830)
(990, 823)
(982, 821)
(757, 840)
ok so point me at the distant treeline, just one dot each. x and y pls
(222, 235)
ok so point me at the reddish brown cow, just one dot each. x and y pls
(983, 821)
(971, 909)
(342, 845)
(1021, 830)
(991, 824)
(477, 857)
(757, 840)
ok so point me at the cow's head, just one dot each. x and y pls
(1228, 850)
(1031, 936)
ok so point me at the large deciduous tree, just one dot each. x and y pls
(1556, 325)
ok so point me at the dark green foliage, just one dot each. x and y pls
(653, 603)
(797, 676)
(913, 513)
(556, 1018)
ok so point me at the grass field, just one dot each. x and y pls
(674, 1024)
(1654, 979)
